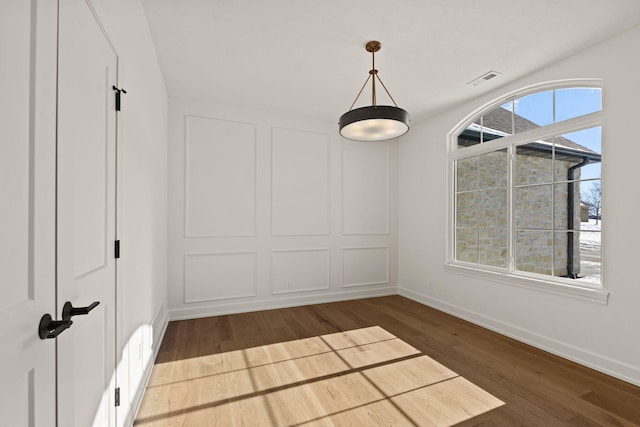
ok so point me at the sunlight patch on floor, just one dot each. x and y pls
(360, 377)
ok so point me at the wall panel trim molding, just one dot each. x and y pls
(292, 290)
(371, 282)
(186, 233)
(327, 211)
(386, 230)
(252, 291)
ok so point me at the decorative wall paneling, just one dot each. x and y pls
(220, 178)
(269, 211)
(300, 270)
(365, 266)
(299, 183)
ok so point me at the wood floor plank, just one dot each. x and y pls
(376, 361)
(628, 409)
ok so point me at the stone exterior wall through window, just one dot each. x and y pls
(540, 207)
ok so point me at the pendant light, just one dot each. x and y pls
(376, 122)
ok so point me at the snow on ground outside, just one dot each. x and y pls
(590, 254)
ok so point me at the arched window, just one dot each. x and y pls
(526, 186)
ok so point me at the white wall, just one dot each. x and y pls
(142, 198)
(602, 336)
(270, 211)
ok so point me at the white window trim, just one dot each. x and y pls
(599, 296)
(548, 284)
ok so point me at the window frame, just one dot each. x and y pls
(551, 284)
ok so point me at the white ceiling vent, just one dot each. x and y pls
(483, 78)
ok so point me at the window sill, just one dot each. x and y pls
(598, 296)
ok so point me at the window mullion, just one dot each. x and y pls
(510, 203)
(553, 199)
(477, 199)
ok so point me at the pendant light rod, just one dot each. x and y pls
(359, 93)
(385, 89)
(373, 47)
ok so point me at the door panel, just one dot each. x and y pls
(27, 204)
(86, 216)
(90, 161)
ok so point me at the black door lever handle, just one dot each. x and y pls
(49, 328)
(68, 310)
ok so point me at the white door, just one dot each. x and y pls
(86, 197)
(27, 206)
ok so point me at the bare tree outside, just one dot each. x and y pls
(593, 197)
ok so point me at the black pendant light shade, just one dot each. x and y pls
(375, 122)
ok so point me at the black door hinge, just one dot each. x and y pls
(116, 249)
(118, 93)
(117, 396)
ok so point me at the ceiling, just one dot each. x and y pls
(307, 58)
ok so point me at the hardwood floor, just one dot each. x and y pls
(377, 361)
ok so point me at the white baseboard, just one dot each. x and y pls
(615, 368)
(277, 302)
(159, 324)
